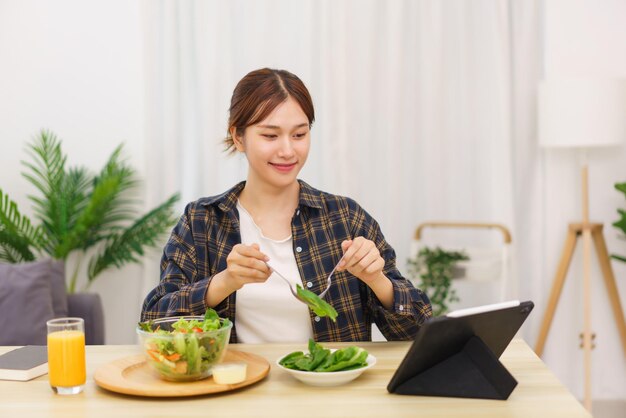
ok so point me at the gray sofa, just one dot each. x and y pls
(32, 293)
(89, 307)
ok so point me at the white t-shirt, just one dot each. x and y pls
(268, 312)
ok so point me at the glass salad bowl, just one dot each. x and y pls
(185, 348)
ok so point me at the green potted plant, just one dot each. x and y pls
(79, 213)
(621, 223)
(433, 270)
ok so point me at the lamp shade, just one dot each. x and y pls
(582, 112)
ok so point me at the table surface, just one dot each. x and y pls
(538, 394)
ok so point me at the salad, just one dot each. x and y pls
(185, 348)
(316, 304)
(320, 359)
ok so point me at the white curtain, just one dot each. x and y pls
(424, 109)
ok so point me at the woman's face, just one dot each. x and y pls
(278, 146)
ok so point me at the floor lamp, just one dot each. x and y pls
(583, 113)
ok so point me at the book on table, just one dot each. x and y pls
(24, 363)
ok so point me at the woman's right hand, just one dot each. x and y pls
(246, 264)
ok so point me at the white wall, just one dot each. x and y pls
(584, 38)
(75, 68)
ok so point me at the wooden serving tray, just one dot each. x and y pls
(133, 376)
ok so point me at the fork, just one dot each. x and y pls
(321, 295)
(295, 293)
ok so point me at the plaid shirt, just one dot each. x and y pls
(209, 229)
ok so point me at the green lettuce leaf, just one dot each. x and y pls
(316, 304)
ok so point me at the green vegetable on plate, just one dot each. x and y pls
(320, 359)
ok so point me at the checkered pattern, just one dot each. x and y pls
(209, 229)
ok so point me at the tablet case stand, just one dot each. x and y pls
(473, 372)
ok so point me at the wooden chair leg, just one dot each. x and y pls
(586, 335)
(557, 287)
(609, 281)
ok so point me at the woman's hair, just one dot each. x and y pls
(258, 94)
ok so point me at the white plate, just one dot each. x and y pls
(328, 378)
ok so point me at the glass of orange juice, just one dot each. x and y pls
(66, 355)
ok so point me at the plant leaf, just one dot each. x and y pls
(47, 174)
(14, 249)
(17, 234)
(103, 209)
(621, 223)
(126, 246)
(434, 267)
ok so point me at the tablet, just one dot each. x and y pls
(444, 337)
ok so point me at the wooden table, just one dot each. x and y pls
(538, 394)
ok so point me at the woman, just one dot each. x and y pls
(219, 254)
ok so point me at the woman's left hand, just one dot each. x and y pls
(362, 259)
